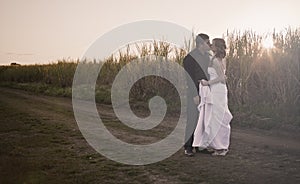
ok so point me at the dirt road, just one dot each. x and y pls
(40, 143)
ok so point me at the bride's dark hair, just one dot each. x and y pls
(220, 47)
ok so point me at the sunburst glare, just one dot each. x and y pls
(268, 42)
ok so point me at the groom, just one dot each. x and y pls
(195, 64)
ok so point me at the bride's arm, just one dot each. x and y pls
(217, 65)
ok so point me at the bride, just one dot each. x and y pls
(213, 128)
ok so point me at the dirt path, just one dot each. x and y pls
(40, 143)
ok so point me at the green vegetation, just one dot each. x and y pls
(264, 84)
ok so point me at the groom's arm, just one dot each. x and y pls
(189, 66)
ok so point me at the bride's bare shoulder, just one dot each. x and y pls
(218, 61)
(215, 61)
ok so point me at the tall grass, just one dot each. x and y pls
(265, 80)
(59, 74)
(263, 83)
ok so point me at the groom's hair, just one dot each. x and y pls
(200, 39)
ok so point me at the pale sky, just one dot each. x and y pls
(42, 31)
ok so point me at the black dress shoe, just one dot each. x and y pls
(188, 153)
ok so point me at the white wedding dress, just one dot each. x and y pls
(213, 128)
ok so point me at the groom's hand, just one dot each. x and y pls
(204, 82)
(196, 100)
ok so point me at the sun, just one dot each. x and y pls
(268, 43)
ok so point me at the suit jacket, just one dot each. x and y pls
(196, 64)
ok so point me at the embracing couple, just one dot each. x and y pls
(208, 116)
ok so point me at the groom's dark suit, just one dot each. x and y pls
(195, 64)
